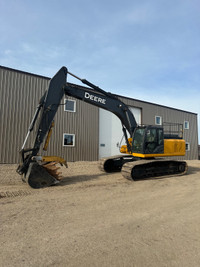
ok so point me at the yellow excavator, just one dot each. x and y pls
(148, 148)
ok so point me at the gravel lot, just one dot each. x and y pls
(98, 219)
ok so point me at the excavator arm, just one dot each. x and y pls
(102, 99)
(107, 102)
(39, 175)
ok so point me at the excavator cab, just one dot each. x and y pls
(153, 141)
(148, 140)
(158, 141)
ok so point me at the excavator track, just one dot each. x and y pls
(144, 169)
(115, 163)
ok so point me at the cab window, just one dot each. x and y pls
(138, 138)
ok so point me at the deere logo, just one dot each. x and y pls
(95, 98)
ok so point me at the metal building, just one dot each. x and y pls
(82, 132)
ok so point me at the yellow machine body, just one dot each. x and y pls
(172, 148)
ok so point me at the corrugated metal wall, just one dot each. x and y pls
(149, 111)
(19, 94)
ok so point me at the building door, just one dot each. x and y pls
(110, 132)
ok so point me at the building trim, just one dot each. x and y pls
(24, 72)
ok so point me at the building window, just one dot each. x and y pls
(186, 124)
(158, 120)
(70, 105)
(187, 146)
(68, 139)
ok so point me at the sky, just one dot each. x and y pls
(143, 49)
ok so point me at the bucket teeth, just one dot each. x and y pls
(52, 169)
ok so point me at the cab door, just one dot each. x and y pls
(154, 140)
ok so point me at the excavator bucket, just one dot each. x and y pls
(45, 175)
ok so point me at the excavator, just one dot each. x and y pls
(146, 154)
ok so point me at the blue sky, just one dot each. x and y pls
(147, 49)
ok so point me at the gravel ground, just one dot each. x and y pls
(97, 219)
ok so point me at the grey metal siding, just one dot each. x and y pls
(85, 125)
(19, 94)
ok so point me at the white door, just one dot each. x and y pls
(110, 132)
